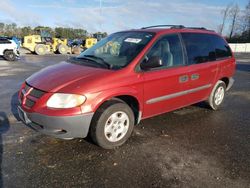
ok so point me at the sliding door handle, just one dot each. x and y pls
(195, 76)
(183, 78)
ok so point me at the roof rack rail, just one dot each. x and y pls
(177, 27)
(202, 28)
(171, 26)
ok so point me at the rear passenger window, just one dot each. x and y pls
(199, 48)
(222, 49)
(169, 49)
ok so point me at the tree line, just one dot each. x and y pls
(12, 29)
(237, 22)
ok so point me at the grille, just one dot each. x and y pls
(26, 88)
(37, 93)
(29, 103)
(32, 97)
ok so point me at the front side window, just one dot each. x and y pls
(118, 49)
(169, 50)
(199, 48)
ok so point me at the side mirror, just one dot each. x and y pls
(152, 62)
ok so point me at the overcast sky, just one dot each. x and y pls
(114, 15)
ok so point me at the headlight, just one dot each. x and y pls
(61, 100)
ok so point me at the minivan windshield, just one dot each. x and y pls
(117, 50)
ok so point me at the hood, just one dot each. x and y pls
(56, 77)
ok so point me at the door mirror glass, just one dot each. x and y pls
(152, 62)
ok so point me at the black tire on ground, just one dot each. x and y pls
(217, 95)
(9, 55)
(62, 49)
(40, 49)
(102, 117)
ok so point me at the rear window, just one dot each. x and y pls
(203, 48)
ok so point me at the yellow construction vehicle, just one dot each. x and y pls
(44, 44)
(89, 42)
(77, 46)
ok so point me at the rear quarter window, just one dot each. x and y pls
(222, 49)
(203, 48)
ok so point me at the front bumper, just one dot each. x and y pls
(64, 127)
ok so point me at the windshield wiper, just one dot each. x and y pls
(102, 60)
(92, 60)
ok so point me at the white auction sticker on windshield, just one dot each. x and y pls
(132, 40)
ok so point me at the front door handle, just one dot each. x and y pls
(183, 78)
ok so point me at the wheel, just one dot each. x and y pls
(40, 49)
(9, 55)
(217, 95)
(112, 124)
(62, 49)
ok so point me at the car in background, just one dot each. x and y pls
(124, 78)
(8, 49)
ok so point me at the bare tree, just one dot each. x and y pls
(246, 33)
(225, 13)
(234, 15)
(247, 15)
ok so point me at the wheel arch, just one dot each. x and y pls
(131, 100)
(7, 50)
(225, 80)
(133, 103)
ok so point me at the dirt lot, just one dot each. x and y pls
(190, 147)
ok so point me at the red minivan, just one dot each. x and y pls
(126, 77)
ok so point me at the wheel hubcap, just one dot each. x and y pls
(116, 126)
(219, 95)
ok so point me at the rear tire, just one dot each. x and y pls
(217, 95)
(112, 124)
(40, 49)
(9, 55)
(62, 49)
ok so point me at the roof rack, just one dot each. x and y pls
(176, 27)
(171, 26)
(202, 28)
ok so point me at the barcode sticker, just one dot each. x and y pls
(132, 40)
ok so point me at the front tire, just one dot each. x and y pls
(112, 124)
(9, 55)
(217, 95)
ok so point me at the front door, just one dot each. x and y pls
(164, 86)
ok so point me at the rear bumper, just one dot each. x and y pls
(64, 127)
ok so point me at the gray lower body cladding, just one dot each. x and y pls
(64, 127)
